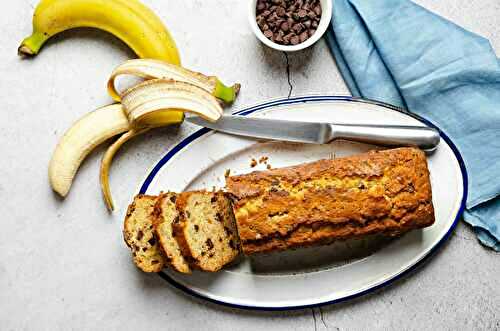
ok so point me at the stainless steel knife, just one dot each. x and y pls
(321, 133)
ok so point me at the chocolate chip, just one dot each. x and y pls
(297, 28)
(273, 18)
(152, 241)
(277, 19)
(279, 37)
(261, 21)
(311, 15)
(196, 228)
(317, 10)
(209, 244)
(228, 231)
(285, 27)
(140, 234)
(303, 36)
(280, 11)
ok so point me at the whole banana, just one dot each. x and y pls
(129, 20)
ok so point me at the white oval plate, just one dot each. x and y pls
(312, 276)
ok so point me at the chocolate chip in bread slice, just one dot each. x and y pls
(139, 235)
(164, 215)
(206, 230)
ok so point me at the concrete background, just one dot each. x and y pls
(63, 264)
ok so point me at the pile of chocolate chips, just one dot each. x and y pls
(288, 22)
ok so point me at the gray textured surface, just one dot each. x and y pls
(63, 265)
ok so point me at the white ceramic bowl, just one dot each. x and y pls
(326, 16)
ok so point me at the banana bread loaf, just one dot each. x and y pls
(316, 203)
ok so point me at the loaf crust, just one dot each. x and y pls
(316, 203)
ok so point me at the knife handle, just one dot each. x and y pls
(388, 135)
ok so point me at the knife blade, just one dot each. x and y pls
(322, 133)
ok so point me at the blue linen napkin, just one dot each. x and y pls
(398, 52)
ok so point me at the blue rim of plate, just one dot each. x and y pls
(176, 149)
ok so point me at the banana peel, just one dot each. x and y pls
(155, 69)
(156, 95)
(107, 159)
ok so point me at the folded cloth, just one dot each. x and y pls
(398, 52)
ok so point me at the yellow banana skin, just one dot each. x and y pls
(129, 20)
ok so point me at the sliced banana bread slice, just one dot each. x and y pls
(206, 230)
(165, 214)
(139, 236)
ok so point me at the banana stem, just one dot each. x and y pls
(225, 93)
(31, 45)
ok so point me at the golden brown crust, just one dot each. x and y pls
(376, 192)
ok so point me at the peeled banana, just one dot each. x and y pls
(129, 20)
(87, 133)
(153, 103)
(151, 69)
